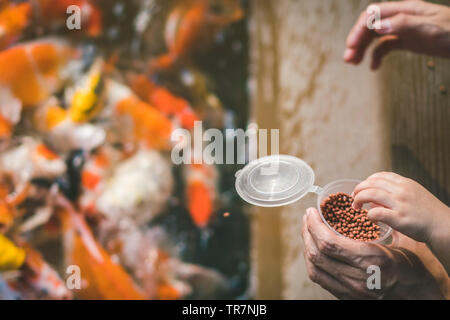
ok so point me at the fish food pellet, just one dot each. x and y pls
(352, 223)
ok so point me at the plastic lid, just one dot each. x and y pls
(274, 181)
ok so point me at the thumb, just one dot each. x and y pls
(385, 45)
(384, 215)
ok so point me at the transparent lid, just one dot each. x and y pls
(274, 181)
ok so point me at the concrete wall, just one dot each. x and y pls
(330, 114)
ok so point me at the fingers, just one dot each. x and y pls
(315, 273)
(332, 266)
(375, 183)
(384, 215)
(401, 25)
(392, 8)
(389, 176)
(343, 280)
(358, 40)
(361, 36)
(327, 281)
(384, 46)
(377, 196)
(331, 244)
(378, 189)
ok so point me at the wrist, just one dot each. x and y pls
(412, 280)
(437, 230)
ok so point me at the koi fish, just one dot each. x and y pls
(35, 274)
(201, 184)
(53, 14)
(67, 129)
(149, 125)
(164, 100)
(194, 24)
(199, 88)
(101, 277)
(35, 70)
(39, 277)
(6, 217)
(21, 164)
(30, 160)
(96, 170)
(165, 277)
(138, 188)
(31, 73)
(6, 128)
(141, 251)
(11, 256)
(7, 292)
(70, 128)
(158, 273)
(14, 18)
(86, 102)
(8, 201)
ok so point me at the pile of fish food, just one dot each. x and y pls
(353, 223)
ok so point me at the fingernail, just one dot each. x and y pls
(385, 27)
(347, 54)
(309, 212)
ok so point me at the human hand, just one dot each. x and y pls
(412, 25)
(402, 204)
(340, 265)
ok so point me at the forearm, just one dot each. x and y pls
(435, 276)
(439, 238)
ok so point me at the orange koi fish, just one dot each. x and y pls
(37, 279)
(6, 128)
(12, 257)
(54, 14)
(6, 217)
(14, 18)
(158, 276)
(30, 160)
(201, 184)
(101, 277)
(18, 166)
(33, 71)
(95, 171)
(149, 124)
(8, 201)
(41, 278)
(164, 100)
(30, 73)
(193, 24)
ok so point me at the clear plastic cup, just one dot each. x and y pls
(347, 186)
(279, 180)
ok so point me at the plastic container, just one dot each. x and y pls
(279, 180)
(347, 186)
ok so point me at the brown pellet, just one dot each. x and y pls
(354, 224)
